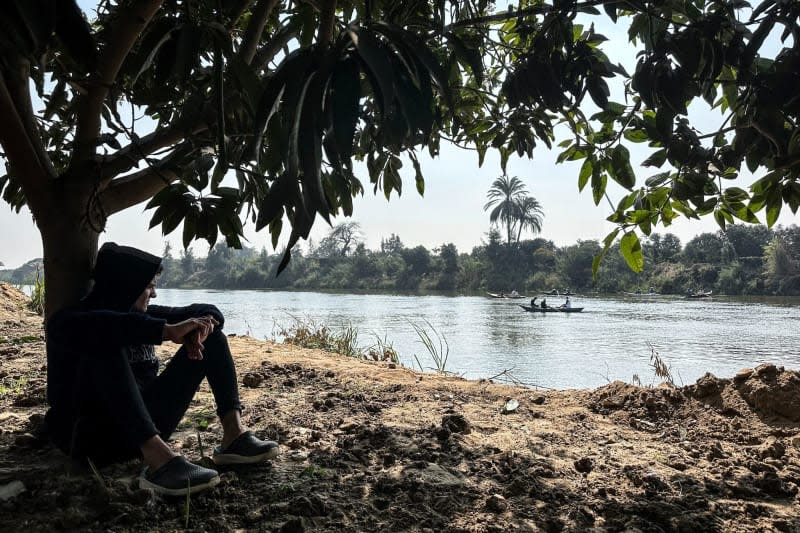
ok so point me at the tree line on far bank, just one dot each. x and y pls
(744, 259)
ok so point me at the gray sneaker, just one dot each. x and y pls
(178, 477)
(245, 449)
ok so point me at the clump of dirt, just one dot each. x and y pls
(369, 446)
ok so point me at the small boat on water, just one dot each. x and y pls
(510, 296)
(695, 295)
(555, 292)
(641, 294)
(537, 309)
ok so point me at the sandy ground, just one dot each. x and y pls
(369, 446)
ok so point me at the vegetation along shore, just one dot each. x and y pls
(743, 259)
(372, 446)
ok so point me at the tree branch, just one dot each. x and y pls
(279, 39)
(327, 19)
(20, 152)
(508, 15)
(124, 33)
(252, 34)
(20, 94)
(132, 189)
(129, 156)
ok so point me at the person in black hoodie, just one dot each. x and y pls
(108, 403)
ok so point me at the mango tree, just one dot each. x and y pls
(221, 113)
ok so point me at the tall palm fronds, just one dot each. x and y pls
(503, 196)
(529, 215)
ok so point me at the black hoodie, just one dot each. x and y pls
(103, 322)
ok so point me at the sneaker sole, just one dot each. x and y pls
(145, 484)
(234, 459)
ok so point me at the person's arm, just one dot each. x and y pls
(173, 315)
(100, 329)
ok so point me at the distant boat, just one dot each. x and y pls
(510, 296)
(536, 309)
(695, 295)
(642, 294)
(555, 292)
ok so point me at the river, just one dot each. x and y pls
(611, 339)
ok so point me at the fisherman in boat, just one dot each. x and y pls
(514, 293)
(533, 301)
(567, 304)
(544, 303)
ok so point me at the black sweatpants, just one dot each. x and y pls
(115, 415)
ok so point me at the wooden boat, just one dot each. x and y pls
(506, 296)
(642, 294)
(695, 295)
(554, 292)
(537, 309)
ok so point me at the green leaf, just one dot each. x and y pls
(378, 66)
(586, 172)
(623, 172)
(635, 135)
(599, 180)
(656, 159)
(345, 96)
(631, 250)
(420, 180)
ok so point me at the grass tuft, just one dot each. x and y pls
(438, 349)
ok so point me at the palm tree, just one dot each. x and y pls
(503, 196)
(529, 215)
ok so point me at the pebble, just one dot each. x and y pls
(252, 379)
(496, 503)
(11, 490)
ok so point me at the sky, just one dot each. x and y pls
(451, 210)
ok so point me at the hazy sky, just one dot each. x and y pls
(450, 211)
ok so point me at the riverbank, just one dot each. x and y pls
(371, 446)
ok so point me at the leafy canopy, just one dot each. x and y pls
(286, 95)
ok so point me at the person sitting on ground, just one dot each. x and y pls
(544, 303)
(108, 403)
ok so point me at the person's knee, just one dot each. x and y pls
(216, 343)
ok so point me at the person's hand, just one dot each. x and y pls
(191, 333)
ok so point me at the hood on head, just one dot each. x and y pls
(121, 273)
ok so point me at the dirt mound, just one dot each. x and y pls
(12, 301)
(771, 391)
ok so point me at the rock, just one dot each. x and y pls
(510, 406)
(456, 423)
(11, 490)
(772, 447)
(653, 482)
(742, 375)
(443, 433)
(766, 370)
(584, 465)
(252, 379)
(348, 426)
(539, 400)
(496, 503)
(311, 505)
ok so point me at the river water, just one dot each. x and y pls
(612, 338)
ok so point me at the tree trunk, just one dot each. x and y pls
(70, 247)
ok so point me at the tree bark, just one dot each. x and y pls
(69, 244)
